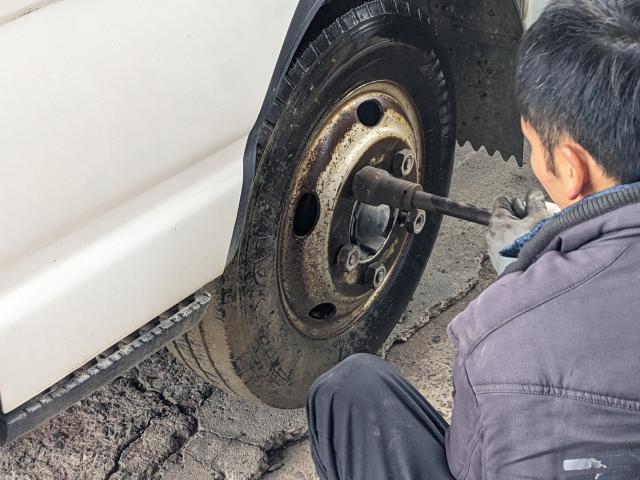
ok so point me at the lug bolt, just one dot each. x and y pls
(416, 221)
(375, 275)
(403, 163)
(349, 257)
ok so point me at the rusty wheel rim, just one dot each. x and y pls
(335, 255)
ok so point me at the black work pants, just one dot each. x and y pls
(366, 422)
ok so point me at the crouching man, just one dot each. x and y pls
(547, 371)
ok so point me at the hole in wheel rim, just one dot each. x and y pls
(310, 270)
(306, 216)
(370, 113)
(323, 311)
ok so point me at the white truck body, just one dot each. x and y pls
(532, 10)
(105, 227)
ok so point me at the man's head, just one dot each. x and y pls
(578, 90)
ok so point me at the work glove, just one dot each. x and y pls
(511, 220)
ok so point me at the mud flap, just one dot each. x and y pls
(482, 38)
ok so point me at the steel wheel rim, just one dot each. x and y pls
(322, 292)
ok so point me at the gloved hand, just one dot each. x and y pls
(512, 219)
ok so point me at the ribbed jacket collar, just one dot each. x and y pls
(585, 221)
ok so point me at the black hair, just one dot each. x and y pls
(578, 76)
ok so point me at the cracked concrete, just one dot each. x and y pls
(161, 422)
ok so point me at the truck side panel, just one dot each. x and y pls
(122, 132)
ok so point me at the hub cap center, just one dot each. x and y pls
(372, 228)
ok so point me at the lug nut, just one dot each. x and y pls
(403, 163)
(349, 257)
(375, 275)
(416, 221)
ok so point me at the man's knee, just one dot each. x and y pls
(357, 376)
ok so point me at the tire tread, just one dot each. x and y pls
(194, 349)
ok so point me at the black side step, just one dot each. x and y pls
(104, 368)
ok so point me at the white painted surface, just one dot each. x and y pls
(534, 9)
(122, 129)
(10, 9)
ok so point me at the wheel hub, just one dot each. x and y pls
(337, 254)
(371, 228)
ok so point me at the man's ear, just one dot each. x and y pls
(573, 169)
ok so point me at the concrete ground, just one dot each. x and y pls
(424, 359)
(160, 421)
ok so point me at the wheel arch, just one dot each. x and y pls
(480, 39)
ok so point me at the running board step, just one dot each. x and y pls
(104, 368)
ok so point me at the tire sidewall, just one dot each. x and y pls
(277, 361)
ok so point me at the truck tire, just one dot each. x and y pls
(372, 88)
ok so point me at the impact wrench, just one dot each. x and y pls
(375, 187)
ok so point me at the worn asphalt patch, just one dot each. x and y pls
(160, 421)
